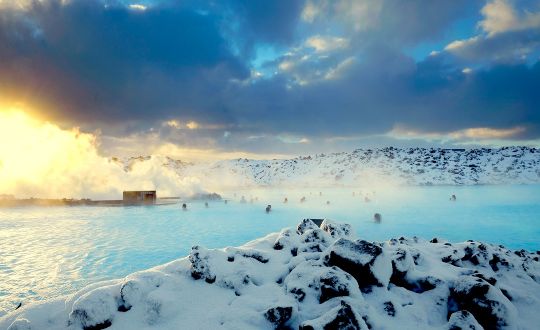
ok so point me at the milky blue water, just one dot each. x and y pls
(51, 251)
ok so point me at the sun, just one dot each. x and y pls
(33, 151)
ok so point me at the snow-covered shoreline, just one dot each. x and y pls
(311, 277)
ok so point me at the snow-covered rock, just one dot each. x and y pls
(311, 277)
(404, 166)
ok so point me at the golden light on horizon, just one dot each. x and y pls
(34, 152)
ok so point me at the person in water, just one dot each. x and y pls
(268, 208)
(285, 200)
(453, 198)
(243, 199)
(206, 204)
(327, 202)
(303, 199)
(184, 207)
(377, 217)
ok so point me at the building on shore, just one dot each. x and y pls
(140, 196)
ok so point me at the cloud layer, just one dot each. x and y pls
(278, 76)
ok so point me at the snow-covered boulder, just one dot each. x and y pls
(363, 260)
(339, 317)
(462, 320)
(311, 277)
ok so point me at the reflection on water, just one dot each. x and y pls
(48, 252)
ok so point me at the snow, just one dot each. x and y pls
(404, 166)
(311, 277)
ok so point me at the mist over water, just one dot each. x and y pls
(45, 161)
(52, 251)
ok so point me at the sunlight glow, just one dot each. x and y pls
(40, 159)
(31, 150)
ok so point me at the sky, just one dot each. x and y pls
(225, 79)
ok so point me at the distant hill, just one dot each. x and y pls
(403, 166)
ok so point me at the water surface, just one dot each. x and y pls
(46, 252)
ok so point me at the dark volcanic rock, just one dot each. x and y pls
(336, 229)
(400, 277)
(463, 320)
(305, 225)
(335, 283)
(341, 317)
(199, 265)
(284, 239)
(356, 258)
(278, 316)
(389, 308)
(87, 322)
(487, 304)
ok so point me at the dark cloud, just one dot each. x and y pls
(112, 62)
(127, 71)
(386, 88)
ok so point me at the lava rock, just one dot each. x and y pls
(463, 320)
(487, 303)
(336, 230)
(200, 268)
(402, 264)
(94, 310)
(298, 293)
(305, 225)
(389, 308)
(356, 258)
(340, 317)
(278, 316)
(284, 239)
(335, 283)
(497, 262)
(313, 236)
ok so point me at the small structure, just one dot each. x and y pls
(139, 197)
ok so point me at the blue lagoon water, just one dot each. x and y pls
(47, 252)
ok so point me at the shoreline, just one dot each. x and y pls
(306, 277)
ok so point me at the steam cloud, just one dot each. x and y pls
(39, 159)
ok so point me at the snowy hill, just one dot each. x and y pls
(409, 166)
(311, 277)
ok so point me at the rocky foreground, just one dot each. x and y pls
(312, 277)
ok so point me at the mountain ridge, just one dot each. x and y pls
(402, 166)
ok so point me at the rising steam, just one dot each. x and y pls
(39, 159)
